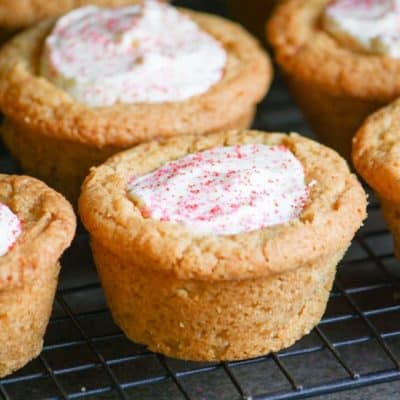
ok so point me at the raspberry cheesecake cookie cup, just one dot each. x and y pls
(341, 61)
(36, 226)
(108, 79)
(376, 148)
(222, 246)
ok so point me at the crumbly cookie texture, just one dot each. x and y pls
(208, 320)
(217, 297)
(334, 212)
(29, 271)
(15, 14)
(33, 103)
(25, 313)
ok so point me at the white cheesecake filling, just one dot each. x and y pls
(10, 229)
(225, 190)
(148, 53)
(368, 25)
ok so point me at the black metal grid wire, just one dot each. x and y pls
(356, 344)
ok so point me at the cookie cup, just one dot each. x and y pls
(57, 139)
(29, 271)
(376, 157)
(335, 86)
(219, 297)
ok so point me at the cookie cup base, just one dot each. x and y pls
(214, 320)
(334, 119)
(63, 164)
(24, 316)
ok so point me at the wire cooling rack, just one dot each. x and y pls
(356, 344)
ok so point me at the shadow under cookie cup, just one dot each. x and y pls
(57, 138)
(219, 297)
(376, 150)
(29, 271)
(336, 87)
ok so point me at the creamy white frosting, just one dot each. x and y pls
(225, 190)
(368, 25)
(10, 229)
(145, 53)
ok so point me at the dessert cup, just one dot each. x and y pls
(211, 296)
(57, 138)
(29, 270)
(336, 85)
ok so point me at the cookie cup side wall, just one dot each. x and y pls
(24, 316)
(214, 320)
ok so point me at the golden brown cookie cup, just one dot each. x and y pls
(219, 297)
(29, 272)
(25, 314)
(336, 87)
(376, 150)
(41, 116)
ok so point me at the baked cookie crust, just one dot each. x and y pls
(29, 272)
(219, 297)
